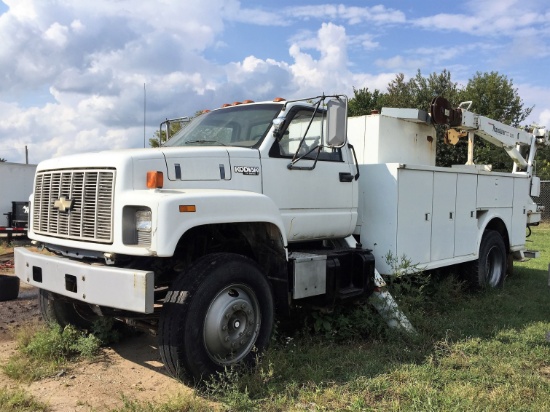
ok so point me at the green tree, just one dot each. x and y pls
(175, 126)
(364, 102)
(418, 93)
(542, 163)
(160, 135)
(400, 93)
(493, 95)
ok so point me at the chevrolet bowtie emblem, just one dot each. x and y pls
(63, 204)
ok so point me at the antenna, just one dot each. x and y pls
(144, 111)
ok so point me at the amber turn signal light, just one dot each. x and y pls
(187, 208)
(155, 179)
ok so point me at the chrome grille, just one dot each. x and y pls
(90, 193)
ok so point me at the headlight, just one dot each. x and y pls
(143, 220)
(137, 226)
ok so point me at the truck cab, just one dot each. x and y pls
(248, 209)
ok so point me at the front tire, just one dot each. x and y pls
(217, 314)
(56, 310)
(489, 270)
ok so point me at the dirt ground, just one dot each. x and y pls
(131, 368)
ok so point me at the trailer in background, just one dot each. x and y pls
(16, 184)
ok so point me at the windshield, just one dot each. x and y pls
(243, 126)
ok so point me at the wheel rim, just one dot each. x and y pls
(494, 266)
(232, 324)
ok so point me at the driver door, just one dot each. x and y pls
(317, 196)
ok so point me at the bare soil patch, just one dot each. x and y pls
(130, 369)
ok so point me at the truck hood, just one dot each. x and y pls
(180, 164)
(204, 163)
(118, 159)
(197, 163)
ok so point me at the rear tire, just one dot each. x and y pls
(56, 310)
(489, 270)
(216, 315)
(9, 287)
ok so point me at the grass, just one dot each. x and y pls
(484, 351)
(474, 351)
(19, 401)
(176, 403)
(46, 350)
(5, 247)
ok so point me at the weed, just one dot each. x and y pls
(43, 350)
(482, 351)
(230, 388)
(56, 344)
(177, 403)
(412, 287)
(19, 401)
(105, 331)
(349, 322)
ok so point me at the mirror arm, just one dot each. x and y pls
(355, 160)
(294, 158)
(291, 166)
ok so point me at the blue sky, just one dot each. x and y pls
(72, 71)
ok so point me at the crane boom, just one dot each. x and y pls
(510, 138)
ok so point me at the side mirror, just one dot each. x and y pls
(277, 123)
(336, 122)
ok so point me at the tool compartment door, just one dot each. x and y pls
(414, 215)
(444, 215)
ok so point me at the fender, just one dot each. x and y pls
(211, 207)
(489, 217)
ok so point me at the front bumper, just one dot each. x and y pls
(109, 286)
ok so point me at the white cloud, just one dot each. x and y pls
(57, 34)
(492, 18)
(365, 40)
(97, 82)
(77, 26)
(544, 118)
(22, 9)
(401, 64)
(328, 73)
(254, 78)
(353, 15)
(95, 57)
(234, 11)
(538, 98)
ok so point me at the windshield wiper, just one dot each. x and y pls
(205, 141)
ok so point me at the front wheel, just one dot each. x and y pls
(219, 313)
(490, 268)
(63, 312)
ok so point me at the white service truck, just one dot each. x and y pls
(256, 208)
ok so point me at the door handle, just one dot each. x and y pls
(346, 177)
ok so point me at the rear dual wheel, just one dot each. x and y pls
(216, 315)
(489, 270)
